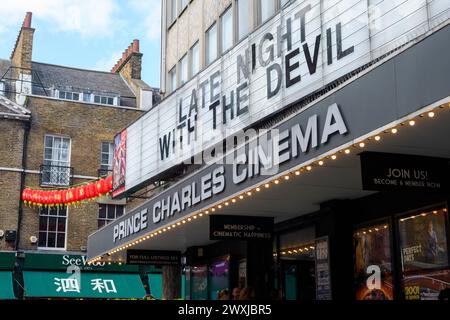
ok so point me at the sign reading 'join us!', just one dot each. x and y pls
(389, 172)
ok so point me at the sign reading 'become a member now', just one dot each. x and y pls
(240, 228)
(401, 172)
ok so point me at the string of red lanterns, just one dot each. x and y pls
(72, 196)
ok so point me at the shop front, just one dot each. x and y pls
(343, 196)
(7, 276)
(66, 276)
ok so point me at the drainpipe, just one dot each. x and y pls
(26, 127)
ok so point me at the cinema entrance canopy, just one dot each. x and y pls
(401, 105)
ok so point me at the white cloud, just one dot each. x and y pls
(106, 64)
(86, 17)
(150, 10)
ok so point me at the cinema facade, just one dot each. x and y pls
(335, 183)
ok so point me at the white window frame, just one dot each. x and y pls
(228, 10)
(173, 83)
(240, 37)
(56, 240)
(181, 8)
(172, 12)
(110, 155)
(259, 11)
(191, 59)
(69, 155)
(115, 100)
(58, 93)
(207, 61)
(184, 60)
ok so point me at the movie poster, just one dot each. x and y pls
(424, 255)
(423, 241)
(119, 164)
(425, 285)
(373, 263)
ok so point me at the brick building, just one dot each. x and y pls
(57, 127)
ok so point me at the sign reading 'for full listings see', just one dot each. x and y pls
(388, 172)
(240, 228)
(152, 257)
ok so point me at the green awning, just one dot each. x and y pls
(82, 285)
(6, 286)
(155, 281)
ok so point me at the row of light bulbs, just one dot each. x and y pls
(422, 215)
(372, 230)
(294, 251)
(276, 181)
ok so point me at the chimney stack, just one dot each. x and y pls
(23, 50)
(129, 66)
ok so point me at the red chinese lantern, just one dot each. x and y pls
(57, 197)
(93, 190)
(75, 194)
(44, 197)
(70, 196)
(82, 193)
(64, 197)
(35, 197)
(109, 183)
(25, 195)
(50, 198)
(40, 198)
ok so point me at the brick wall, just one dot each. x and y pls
(11, 146)
(87, 126)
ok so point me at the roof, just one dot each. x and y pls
(81, 79)
(11, 110)
(4, 66)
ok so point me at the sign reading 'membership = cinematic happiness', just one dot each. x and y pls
(240, 228)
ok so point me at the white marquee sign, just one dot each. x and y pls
(306, 46)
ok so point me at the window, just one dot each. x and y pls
(67, 95)
(424, 254)
(266, 10)
(86, 97)
(104, 100)
(243, 12)
(171, 11)
(226, 24)
(107, 155)
(183, 4)
(184, 69)
(108, 213)
(56, 169)
(211, 44)
(173, 79)
(284, 2)
(52, 228)
(195, 56)
(373, 262)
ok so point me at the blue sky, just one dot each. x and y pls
(90, 34)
